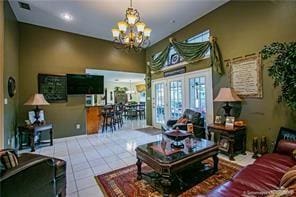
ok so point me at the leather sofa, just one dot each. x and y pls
(35, 175)
(193, 117)
(265, 173)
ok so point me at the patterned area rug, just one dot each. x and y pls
(150, 130)
(123, 182)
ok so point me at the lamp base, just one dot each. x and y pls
(37, 115)
(227, 108)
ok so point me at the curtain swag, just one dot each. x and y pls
(191, 51)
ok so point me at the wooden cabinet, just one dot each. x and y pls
(93, 119)
(230, 141)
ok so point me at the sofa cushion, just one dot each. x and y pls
(286, 147)
(278, 162)
(230, 188)
(264, 175)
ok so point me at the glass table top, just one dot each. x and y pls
(164, 153)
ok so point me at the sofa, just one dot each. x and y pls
(35, 175)
(265, 173)
(193, 117)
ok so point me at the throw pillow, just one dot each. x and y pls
(294, 154)
(182, 120)
(289, 178)
(8, 159)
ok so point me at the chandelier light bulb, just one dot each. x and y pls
(131, 19)
(115, 33)
(140, 26)
(147, 32)
(126, 40)
(122, 26)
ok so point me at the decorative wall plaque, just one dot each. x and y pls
(246, 76)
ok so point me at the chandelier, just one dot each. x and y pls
(131, 33)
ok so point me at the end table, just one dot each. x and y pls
(32, 131)
(231, 141)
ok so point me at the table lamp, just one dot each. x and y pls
(36, 100)
(227, 95)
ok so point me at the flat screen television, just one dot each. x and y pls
(85, 84)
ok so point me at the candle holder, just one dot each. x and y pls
(263, 146)
(255, 148)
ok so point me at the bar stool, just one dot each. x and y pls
(108, 118)
(141, 111)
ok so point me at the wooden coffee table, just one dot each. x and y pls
(176, 170)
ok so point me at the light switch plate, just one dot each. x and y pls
(5, 101)
(77, 126)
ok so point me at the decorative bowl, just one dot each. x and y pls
(177, 136)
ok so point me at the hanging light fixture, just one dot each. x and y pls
(131, 33)
(130, 91)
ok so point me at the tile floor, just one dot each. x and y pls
(90, 155)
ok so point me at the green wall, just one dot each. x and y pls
(241, 28)
(44, 50)
(1, 73)
(11, 68)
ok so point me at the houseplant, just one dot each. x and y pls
(283, 69)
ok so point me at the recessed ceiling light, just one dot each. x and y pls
(172, 21)
(67, 17)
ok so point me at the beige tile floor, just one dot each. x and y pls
(90, 155)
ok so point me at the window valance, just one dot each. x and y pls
(189, 52)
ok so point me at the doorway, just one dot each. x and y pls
(172, 95)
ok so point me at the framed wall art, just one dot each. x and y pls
(246, 76)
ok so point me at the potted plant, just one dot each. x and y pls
(283, 69)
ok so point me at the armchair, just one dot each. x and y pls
(193, 117)
(35, 175)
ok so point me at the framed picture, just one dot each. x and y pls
(224, 145)
(229, 123)
(246, 76)
(32, 118)
(218, 120)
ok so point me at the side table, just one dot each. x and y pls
(231, 141)
(33, 131)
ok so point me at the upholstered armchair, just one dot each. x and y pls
(35, 175)
(193, 117)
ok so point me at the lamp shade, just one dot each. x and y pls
(227, 95)
(36, 99)
(141, 87)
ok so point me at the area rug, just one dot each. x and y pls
(123, 182)
(150, 130)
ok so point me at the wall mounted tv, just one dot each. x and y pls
(85, 84)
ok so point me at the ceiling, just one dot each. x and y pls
(96, 18)
(117, 76)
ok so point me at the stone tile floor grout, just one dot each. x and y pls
(91, 155)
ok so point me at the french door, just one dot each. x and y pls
(175, 100)
(158, 102)
(172, 95)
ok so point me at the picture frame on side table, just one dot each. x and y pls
(224, 144)
(218, 119)
(229, 122)
(32, 118)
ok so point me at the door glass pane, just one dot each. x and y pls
(197, 94)
(176, 97)
(159, 103)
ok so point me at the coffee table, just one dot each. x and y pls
(175, 170)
